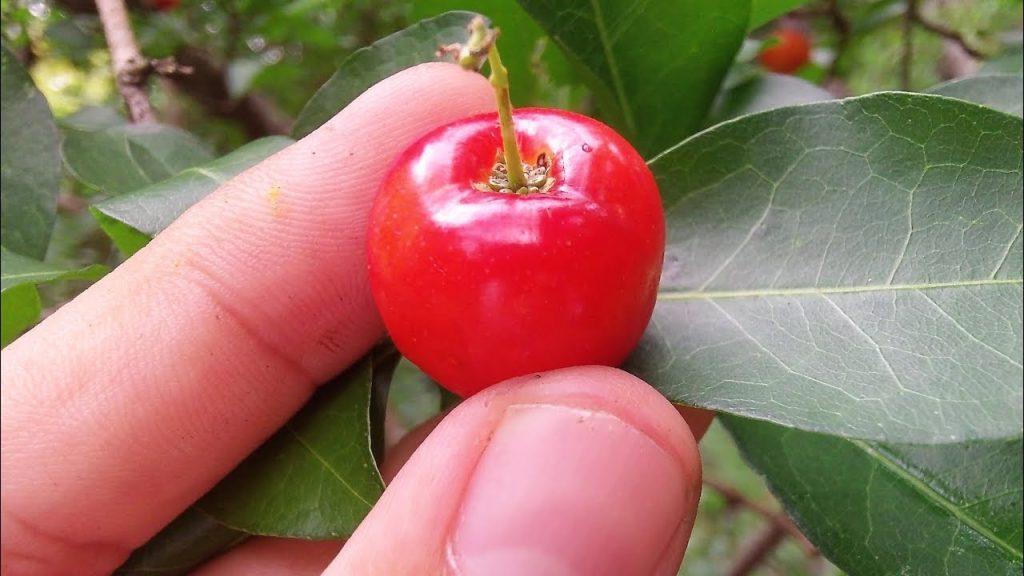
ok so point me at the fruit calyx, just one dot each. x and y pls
(509, 175)
(537, 178)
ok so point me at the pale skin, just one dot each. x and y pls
(134, 399)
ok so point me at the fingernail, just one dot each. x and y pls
(566, 491)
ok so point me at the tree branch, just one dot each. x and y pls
(206, 82)
(842, 27)
(735, 497)
(947, 33)
(758, 549)
(907, 50)
(130, 68)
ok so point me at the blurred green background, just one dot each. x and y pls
(256, 63)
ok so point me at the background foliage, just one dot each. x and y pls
(843, 279)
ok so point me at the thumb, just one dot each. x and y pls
(576, 471)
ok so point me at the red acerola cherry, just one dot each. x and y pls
(476, 285)
(789, 51)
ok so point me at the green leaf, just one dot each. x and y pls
(184, 544)
(367, 66)
(872, 508)
(1003, 92)
(18, 269)
(93, 118)
(1009, 62)
(316, 478)
(125, 158)
(765, 91)
(764, 11)
(30, 167)
(850, 267)
(19, 276)
(132, 219)
(127, 239)
(656, 64)
(20, 308)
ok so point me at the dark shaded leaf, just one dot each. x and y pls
(934, 510)
(184, 544)
(656, 65)
(764, 11)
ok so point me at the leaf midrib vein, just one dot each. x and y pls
(813, 291)
(936, 498)
(327, 465)
(613, 67)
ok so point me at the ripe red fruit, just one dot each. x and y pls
(788, 52)
(476, 286)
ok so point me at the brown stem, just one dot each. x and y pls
(907, 51)
(758, 549)
(947, 33)
(130, 68)
(842, 27)
(734, 497)
(207, 84)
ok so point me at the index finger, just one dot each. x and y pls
(135, 398)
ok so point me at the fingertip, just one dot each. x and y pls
(615, 391)
(587, 470)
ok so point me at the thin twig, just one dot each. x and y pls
(735, 497)
(947, 33)
(842, 27)
(130, 68)
(758, 549)
(907, 51)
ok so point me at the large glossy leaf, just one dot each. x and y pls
(658, 64)
(935, 510)
(850, 267)
(367, 66)
(764, 11)
(316, 478)
(29, 162)
(132, 219)
(19, 276)
(765, 91)
(1011, 61)
(124, 158)
(1003, 92)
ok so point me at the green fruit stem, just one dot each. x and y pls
(483, 40)
(513, 161)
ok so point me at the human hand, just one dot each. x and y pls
(134, 399)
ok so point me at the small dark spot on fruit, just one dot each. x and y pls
(587, 148)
